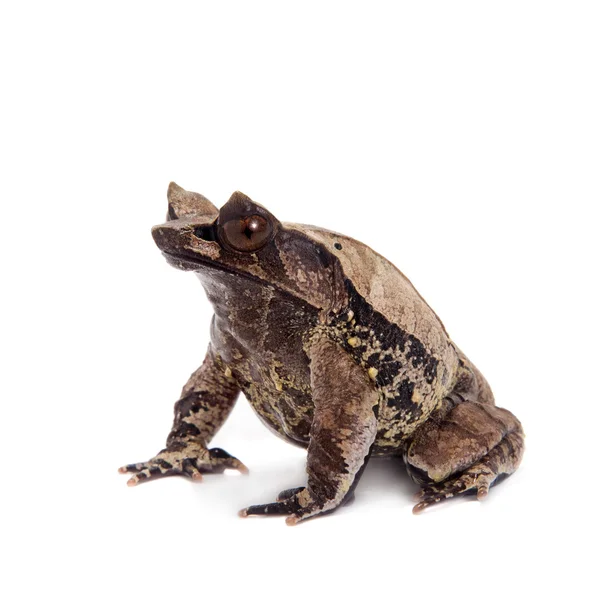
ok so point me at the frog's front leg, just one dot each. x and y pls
(342, 432)
(206, 401)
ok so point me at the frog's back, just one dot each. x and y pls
(387, 290)
(390, 329)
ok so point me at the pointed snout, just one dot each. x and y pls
(186, 243)
(171, 236)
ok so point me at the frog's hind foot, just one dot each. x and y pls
(472, 448)
(476, 479)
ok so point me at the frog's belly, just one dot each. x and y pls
(277, 387)
(288, 413)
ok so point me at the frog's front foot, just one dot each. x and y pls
(190, 460)
(298, 503)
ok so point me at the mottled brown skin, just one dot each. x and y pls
(336, 352)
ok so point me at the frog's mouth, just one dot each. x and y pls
(198, 264)
(187, 262)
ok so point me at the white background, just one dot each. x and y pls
(459, 139)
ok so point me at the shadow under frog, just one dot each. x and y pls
(335, 351)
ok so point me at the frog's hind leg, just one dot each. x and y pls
(464, 450)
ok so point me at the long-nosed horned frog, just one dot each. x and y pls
(336, 352)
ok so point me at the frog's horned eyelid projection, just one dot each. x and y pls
(336, 352)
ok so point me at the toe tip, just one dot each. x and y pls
(419, 508)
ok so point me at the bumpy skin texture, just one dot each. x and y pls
(336, 352)
(206, 401)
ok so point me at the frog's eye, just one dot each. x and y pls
(246, 233)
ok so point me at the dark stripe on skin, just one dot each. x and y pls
(403, 399)
(390, 336)
(219, 453)
(287, 494)
(195, 402)
(287, 507)
(184, 430)
(163, 463)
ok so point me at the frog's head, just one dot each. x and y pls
(243, 238)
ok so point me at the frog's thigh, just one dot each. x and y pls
(467, 450)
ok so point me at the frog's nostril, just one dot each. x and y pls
(206, 233)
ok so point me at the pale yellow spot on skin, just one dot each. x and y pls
(416, 397)
(276, 379)
(353, 341)
(227, 372)
(372, 372)
(350, 315)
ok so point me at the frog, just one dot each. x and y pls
(336, 352)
